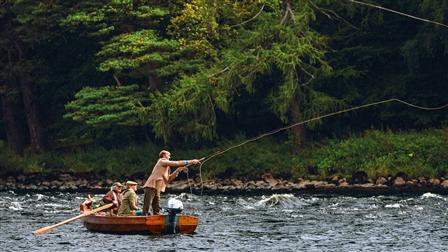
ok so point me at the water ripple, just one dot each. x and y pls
(284, 222)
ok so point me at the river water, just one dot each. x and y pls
(286, 222)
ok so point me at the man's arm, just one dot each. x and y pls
(133, 202)
(166, 162)
(174, 175)
(108, 198)
(166, 178)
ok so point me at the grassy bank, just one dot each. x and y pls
(376, 153)
(382, 154)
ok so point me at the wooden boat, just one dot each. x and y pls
(171, 223)
(154, 224)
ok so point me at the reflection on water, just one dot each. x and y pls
(279, 221)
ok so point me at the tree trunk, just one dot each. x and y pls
(287, 12)
(154, 82)
(153, 79)
(32, 114)
(285, 5)
(12, 126)
(298, 132)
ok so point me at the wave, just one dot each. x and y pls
(40, 196)
(396, 205)
(16, 206)
(283, 200)
(432, 196)
(186, 196)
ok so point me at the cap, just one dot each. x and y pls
(128, 183)
(117, 184)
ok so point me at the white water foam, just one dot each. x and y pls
(396, 205)
(418, 207)
(370, 216)
(432, 195)
(185, 196)
(16, 206)
(284, 200)
(53, 206)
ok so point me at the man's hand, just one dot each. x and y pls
(194, 161)
(115, 203)
(181, 169)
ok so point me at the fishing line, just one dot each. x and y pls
(205, 159)
(188, 181)
(397, 12)
(191, 188)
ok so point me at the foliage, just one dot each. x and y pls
(132, 50)
(107, 106)
(377, 153)
(383, 154)
(173, 112)
(104, 74)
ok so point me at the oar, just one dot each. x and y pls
(47, 229)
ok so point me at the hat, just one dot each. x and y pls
(129, 183)
(117, 184)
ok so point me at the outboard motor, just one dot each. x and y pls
(175, 206)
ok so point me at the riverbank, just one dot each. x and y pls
(374, 153)
(68, 182)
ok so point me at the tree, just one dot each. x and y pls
(134, 47)
(25, 24)
(379, 55)
(278, 41)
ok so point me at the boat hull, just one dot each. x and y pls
(154, 224)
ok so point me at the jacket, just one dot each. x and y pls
(129, 203)
(160, 174)
(109, 197)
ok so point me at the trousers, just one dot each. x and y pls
(151, 198)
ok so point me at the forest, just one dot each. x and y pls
(103, 86)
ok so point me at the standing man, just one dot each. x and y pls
(129, 204)
(159, 178)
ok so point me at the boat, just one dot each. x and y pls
(171, 223)
(153, 224)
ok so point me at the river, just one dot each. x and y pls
(286, 222)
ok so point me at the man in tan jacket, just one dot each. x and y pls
(159, 178)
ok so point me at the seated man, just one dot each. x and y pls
(129, 204)
(114, 196)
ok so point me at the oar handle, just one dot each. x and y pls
(47, 229)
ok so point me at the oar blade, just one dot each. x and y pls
(44, 230)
